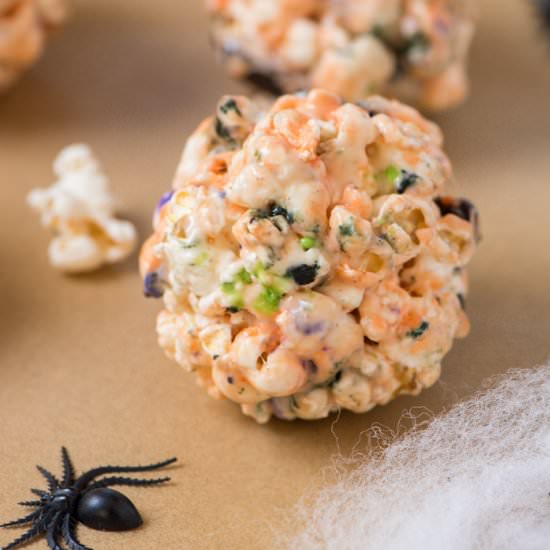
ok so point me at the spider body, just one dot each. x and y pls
(84, 499)
(107, 510)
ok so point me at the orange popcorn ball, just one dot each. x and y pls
(307, 256)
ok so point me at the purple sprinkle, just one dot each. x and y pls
(164, 199)
(441, 25)
(151, 285)
(222, 194)
(310, 366)
(310, 328)
(277, 411)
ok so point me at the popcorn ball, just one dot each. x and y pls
(415, 50)
(79, 209)
(24, 27)
(308, 258)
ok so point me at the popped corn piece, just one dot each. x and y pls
(415, 50)
(79, 211)
(307, 258)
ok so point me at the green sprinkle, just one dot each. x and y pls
(282, 284)
(258, 155)
(268, 301)
(258, 269)
(200, 259)
(237, 302)
(228, 288)
(417, 332)
(308, 242)
(392, 173)
(243, 276)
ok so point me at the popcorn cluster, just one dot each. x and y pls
(24, 27)
(307, 257)
(415, 50)
(79, 210)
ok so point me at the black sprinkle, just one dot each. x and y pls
(222, 131)
(462, 300)
(230, 380)
(232, 309)
(265, 82)
(273, 209)
(462, 208)
(277, 210)
(418, 41)
(418, 331)
(365, 106)
(346, 229)
(406, 180)
(230, 105)
(303, 274)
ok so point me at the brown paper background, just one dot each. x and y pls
(79, 364)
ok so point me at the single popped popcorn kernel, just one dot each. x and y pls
(415, 50)
(308, 257)
(79, 210)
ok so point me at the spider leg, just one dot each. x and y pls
(30, 503)
(86, 477)
(68, 469)
(37, 529)
(39, 493)
(51, 535)
(69, 534)
(129, 481)
(25, 519)
(53, 484)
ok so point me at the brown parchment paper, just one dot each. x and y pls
(79, 363)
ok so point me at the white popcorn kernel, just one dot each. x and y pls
(79, 209)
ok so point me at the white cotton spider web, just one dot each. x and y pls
(477, 478)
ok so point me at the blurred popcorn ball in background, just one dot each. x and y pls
(414, 50)
(24, 28)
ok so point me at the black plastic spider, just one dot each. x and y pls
(84, 500)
